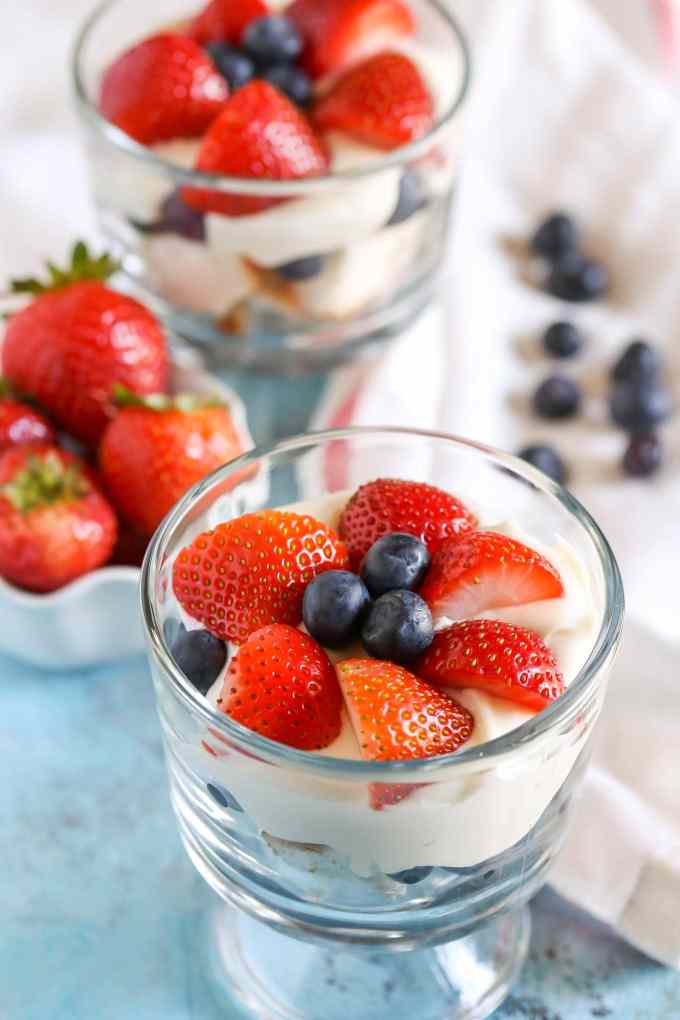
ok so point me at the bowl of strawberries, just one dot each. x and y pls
(275, 177)
(102, 429)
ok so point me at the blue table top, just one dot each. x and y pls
(99, 903)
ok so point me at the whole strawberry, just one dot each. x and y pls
(163, 88)
(78, 338)
(20, 423)
(157, 448)
(55, 524)
(259, 134)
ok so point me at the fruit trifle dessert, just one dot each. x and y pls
(391, 624)
(325, 120)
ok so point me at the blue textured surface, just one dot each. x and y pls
(99, 905)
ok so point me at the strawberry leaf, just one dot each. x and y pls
(83, 266)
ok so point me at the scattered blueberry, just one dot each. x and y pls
(223, 797)
(411, 198)
(293, 82)
(333, 607)
(272, 39)
(557, 397)
(547, 460)
(639, 361)
(398, 627)
(395, 561)
(176, 217)
(576, 278)
(556, 236)
(562, 340)
(412, 875)
(643, 456)
(302, 269)
(200, 655)
(235, 66)
(640, 405)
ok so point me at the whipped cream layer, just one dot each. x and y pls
(460, 820)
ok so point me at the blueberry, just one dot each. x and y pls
(398, 627)
(547, 460)
(575, 278)
(235, 66)
(293, 82)
(555, 236)
(412, 875)
(639, 361)
(333, 606)
(411, 198)
(176, 217)
(223, 797)
(557, 397)
(200, 655)
(302, 269)
(272, 39)
(562, 340)
(635, 406)
(395, 561)
(643, 456)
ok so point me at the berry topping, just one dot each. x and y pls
(282, 685)
(333, 30)
(176, 217)
(253, 571)
(556, 236)
(558, 396)
(225, 20)
(640, 405)
(163, 88)
(21, 424)
(55, 524)
(272, 39)
(155, 449)
(259, 134)
(412, 875)
(397, 560)
(223, 797)
(411, 198)
(643, 456)
(70, 346)
(506, 661)
(293, 82)
(200, 655)
(333, 607)
(487, 570)
(562, 340)
(383, 101)
(398, 627)
(391, 504)
(235, 66)
(640, 361)
(547, 460)
(576, 278)
(302, 269)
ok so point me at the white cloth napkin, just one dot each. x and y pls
(564, 116)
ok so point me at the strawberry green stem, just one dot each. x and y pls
(184, 402)
(45, 480)
(83, 266)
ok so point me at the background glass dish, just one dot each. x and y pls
(311, 927)
(377, 277)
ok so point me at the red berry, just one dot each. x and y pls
(253, 571)
(163, 88)
(391, 504)
(225, 20)
(282, 685)
(506, 661)
(21, 424)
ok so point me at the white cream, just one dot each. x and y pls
(191, 275)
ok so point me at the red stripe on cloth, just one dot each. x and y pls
(665, 17)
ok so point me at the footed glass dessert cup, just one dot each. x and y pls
(327, 908)
(363, 263)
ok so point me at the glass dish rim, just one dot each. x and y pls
(494, 752)
(220, 182)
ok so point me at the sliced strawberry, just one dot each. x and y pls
(397, 717)
(486, 570)
(253, 571)
(164, 87)
(225, 20)
(333, 30)
(391, 504)
(383, 102)
(507, 661)
(282, 685)
(259, 134)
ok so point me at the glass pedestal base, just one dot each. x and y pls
(260, 974)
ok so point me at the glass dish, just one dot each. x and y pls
(222, 290)
(330, 909)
